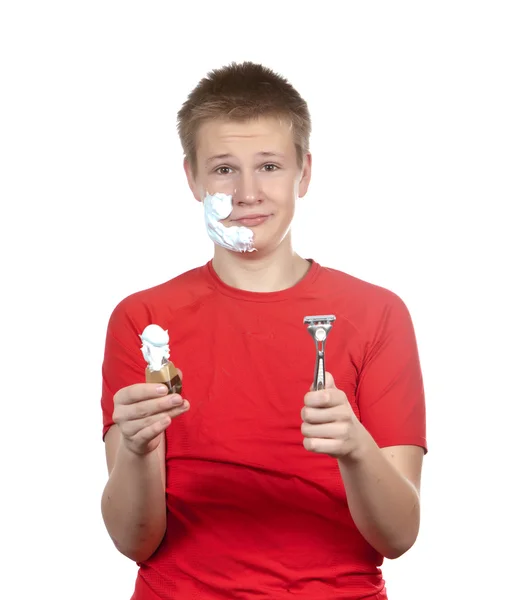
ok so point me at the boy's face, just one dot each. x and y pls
(256, 163)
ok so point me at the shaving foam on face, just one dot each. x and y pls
(155, 348)
(218, 207)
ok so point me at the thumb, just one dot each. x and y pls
(329, 381)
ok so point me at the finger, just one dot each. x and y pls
(310, 414)
(324, 430)
(320, 399)
(132, 428)
(325, 398)
(149, 433)
(322, 446)
(145, 408)
(140, 391)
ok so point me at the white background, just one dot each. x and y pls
(419, 154)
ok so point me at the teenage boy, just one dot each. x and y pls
(251, 484)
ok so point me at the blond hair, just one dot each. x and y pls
(242, 92)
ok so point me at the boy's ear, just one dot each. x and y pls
(191, 180)
(306, 175)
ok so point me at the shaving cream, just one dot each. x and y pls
(218, 207)
(155, 348)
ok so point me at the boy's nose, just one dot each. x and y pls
(247, 191)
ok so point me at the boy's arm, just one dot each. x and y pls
(382, 489)
(133, 502)
(382, 485)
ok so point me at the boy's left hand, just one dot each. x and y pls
(330, 426)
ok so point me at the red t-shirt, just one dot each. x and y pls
(250, 513)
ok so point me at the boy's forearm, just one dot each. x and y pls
(384, 505)
(134, 504)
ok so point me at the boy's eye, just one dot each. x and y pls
(223, 170)
(269, 168)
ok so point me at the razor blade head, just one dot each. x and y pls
(319, 326)
(319, 319)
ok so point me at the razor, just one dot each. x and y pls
(319, 327)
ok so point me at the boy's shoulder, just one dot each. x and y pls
(357, 289)
(176, 293)
(368, 306)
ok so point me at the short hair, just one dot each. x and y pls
(242, 92)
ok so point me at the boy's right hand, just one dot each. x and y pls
(143, 412)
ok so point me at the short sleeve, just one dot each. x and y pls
(123, 364)
(390, 391)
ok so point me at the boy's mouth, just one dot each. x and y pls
(251, 220)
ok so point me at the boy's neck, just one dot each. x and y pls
(280, 270)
